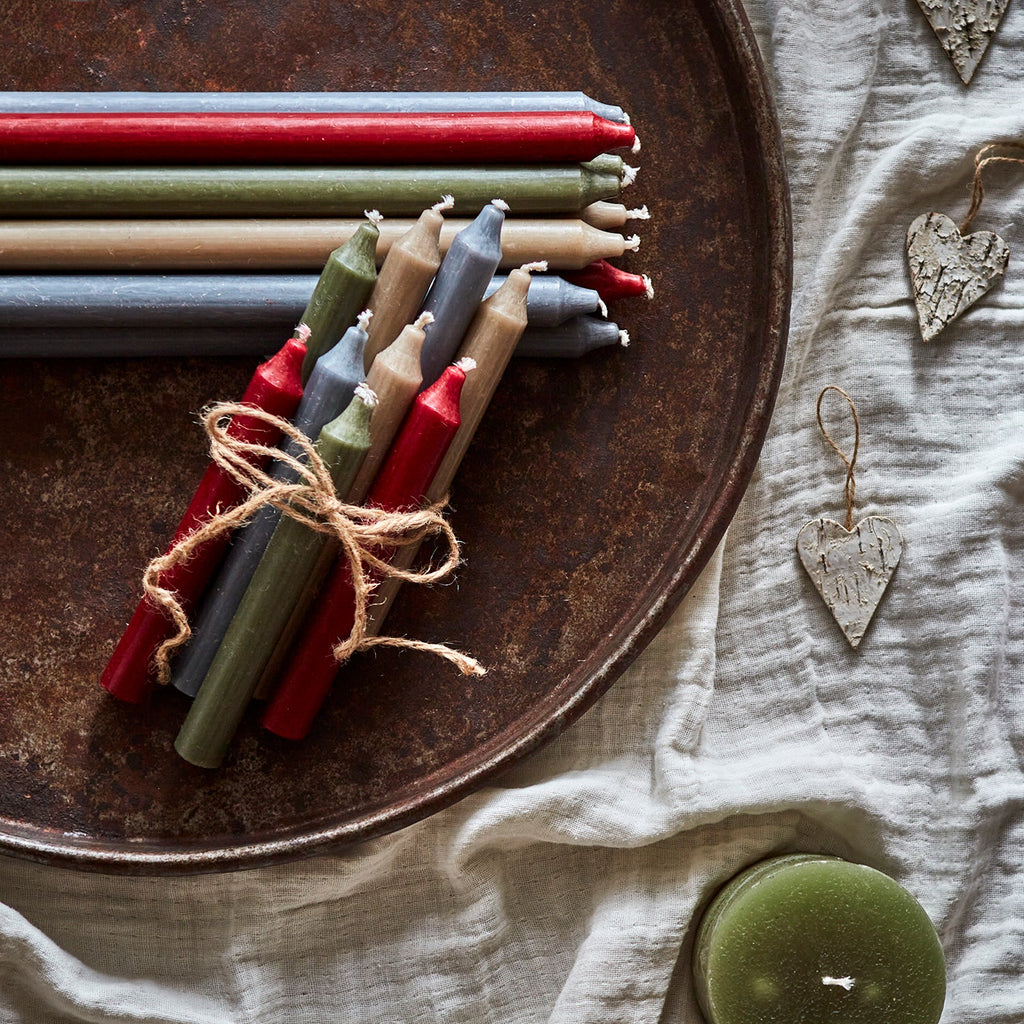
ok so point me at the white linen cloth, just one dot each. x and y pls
(566, 892)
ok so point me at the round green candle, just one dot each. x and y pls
(806, 939)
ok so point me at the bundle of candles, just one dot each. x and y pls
(403, 337)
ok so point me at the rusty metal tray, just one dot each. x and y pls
(595, 492)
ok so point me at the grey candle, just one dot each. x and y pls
(569, 340)
(459, 287)
(552, 300)
(328, 391)
(80, 102)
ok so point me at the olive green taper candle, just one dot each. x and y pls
(341, 291)
(278, 582)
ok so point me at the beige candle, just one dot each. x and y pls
(404, 278)
(490, 341)
(610, 216)
(278, 244)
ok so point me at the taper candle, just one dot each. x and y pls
(403, 480)
(553, 300)
(458, 288)
(571, 339)
(275, 388)
(611, 282)
(341, 292)
(278, 580)
(329, 389)
(279, 243)
(328, 102)
(248, 138)
(404, 278)
(817, 940)
(103, 191)
(609, 216)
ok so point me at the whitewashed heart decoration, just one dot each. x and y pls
(950, 272)
(964, 28)
(850, 566)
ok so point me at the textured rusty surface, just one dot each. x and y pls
(595, 492)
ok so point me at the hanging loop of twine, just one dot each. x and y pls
(364, 534)
(985, 157)
(850, 461)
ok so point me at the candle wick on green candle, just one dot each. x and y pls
(846, 983)
(629, 174)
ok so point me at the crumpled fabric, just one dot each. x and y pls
(568, 891)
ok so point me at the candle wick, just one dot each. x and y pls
(846, 983)
(373, 216)
(500, 204)
(629, 175)
(423, 320)
(624, 339)
(648, 287)
(632, 243)
(447, 202)
(636, 144)
(640, 213)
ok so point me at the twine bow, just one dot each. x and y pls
(362, 533)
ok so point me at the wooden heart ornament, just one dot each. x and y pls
(851, 568)
(949, 272)
(964, 28)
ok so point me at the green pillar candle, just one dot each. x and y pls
(297, 191)
(278, 582)
(341, 292)
(817, 940)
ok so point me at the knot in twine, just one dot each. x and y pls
(850, 461)
(985, 157)
(360, 531)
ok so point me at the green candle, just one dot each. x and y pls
(278, 582)
(341, 292)
(817, 940)
(297, 191)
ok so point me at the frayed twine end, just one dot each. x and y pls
(447, 203)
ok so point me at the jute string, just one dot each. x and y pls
(362, 533)
(850, 487)
(986, 157)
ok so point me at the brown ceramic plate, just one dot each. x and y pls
(592, 497)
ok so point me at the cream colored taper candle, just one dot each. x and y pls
(404, 278)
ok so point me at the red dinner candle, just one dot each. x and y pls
(275, 388)
(610, 282)
(370, 138)
(418, 450)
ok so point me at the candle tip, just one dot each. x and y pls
(629, 174)
(374, 216)
(466, 363)
(602, 307)
(364, 318)
(624, 339)
(632, 243)
(447, 202)
(642, 213)
(500, 204)
(648, 286)
(635, 148)
(538, 266)
(366, 395)
(302, 333)
(423, 320)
